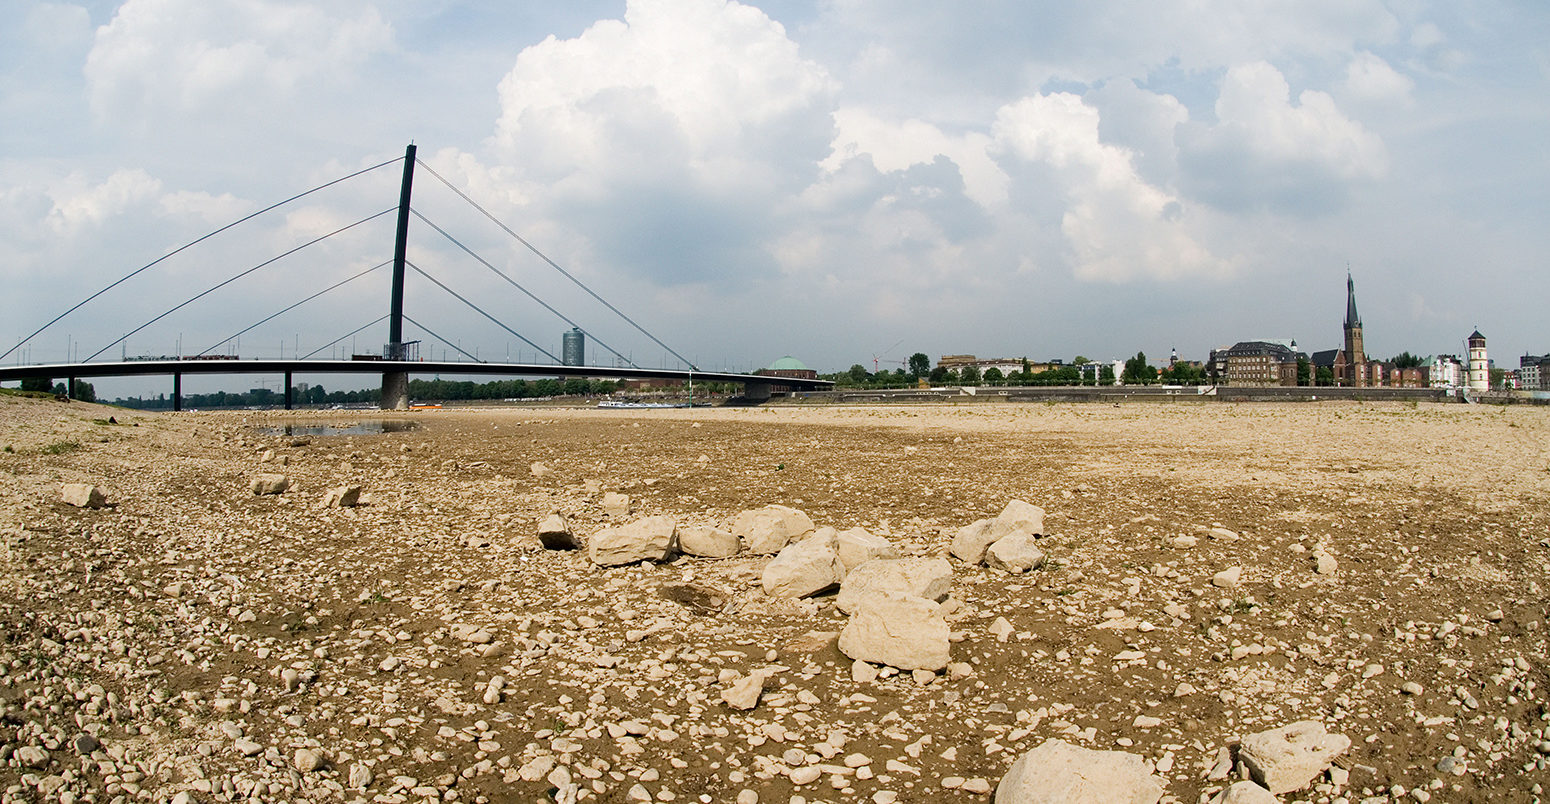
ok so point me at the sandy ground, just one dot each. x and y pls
(204, 635)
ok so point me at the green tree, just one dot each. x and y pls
(1106, 374)
(1138, 371)
(41, 385)
(969, 375)
(1080, 361)
(993, 376)
(83, 391)
(920, 365)
(859, 374)
(939, 375)
(1405, 360)
(1324, 376)
(1304, 371)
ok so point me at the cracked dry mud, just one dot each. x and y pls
(215, 644)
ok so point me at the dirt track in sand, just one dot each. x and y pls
(1438, 518)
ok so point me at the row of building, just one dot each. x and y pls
(1274, 361)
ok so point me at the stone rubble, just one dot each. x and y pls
(190, 644)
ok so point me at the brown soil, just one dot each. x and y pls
(1438, 518)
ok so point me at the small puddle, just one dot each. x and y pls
(374, 427)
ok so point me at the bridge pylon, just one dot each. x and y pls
(395, 384)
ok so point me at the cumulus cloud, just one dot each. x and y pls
(1266, 150)
(1117, 226)
(896, 146)
(671, 136)
(712, 86)
(77, 207)
(161, 56)
(1370, 79)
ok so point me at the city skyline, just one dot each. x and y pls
(1010, 177)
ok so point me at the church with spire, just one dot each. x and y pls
(1350, 363)
(1350, 367)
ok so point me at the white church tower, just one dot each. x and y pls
(1479, 364)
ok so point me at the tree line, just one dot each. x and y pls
(419, 390)
(1080, 371)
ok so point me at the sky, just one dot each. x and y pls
(842, 180)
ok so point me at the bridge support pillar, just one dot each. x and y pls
(395, 390)
(288, 390)
(70, 388)
(756, 391)
(177, 391)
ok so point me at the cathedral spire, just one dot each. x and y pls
(1352, 319)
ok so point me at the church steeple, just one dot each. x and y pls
(1352, 319)
(1355, 354)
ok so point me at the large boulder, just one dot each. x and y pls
(1245, 793)
(269, 484)
(1060, 773)
(927, 578)
(83, 495)
(1291, 757)
(1015, 552)
(857, 546)
(708, 542)
(555, 534)
(909, 633)
(766, 530)
(648, 539)
(972, 540)
(1022, 516)
(347, 496)
(805, 568)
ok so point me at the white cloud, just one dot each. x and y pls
(79, 206)
(894, 146)
(711, 87)
(1370, 79)
(1264, 149)
(1117, 226)
(161, 56)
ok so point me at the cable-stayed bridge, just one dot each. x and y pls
(399, 358)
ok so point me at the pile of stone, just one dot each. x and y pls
(1005, 542)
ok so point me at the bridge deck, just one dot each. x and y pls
(132, 368)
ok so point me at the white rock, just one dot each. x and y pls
(540, 470)
(554, 533)
(1015, 552)
(270, 484)
(361, 776)
(928, 578)
(857, 546)
(342, 497)
(909, 633)
(307, 760)
(804, 568)
(616, 505)
(1060, 773)
(31, 756)
(1289, 758)
(766, 530)
(649, 539)
(744, 693)
(708, 542)
(1245, 793)
(1325, 564)
(1022, 517)
(83, 495)
(1227, 578)
(972, 540)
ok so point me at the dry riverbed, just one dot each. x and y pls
(194, 641)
